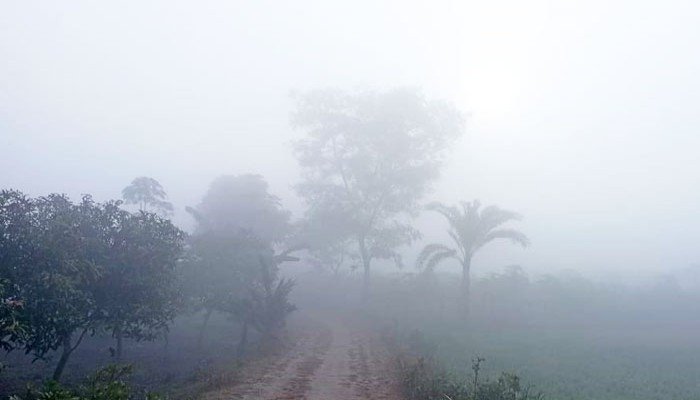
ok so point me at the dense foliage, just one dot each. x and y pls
(231, 266)
(79, 268)
(108, 383)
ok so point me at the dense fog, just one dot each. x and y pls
(517, 181)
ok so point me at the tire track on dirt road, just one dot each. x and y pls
(333, 360)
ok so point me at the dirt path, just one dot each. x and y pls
(335, 361)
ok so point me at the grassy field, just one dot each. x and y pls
(578, 365)
(569, 339)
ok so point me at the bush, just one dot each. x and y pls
(422, 378)
(108, 383)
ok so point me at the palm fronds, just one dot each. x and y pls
(472, 227)
(432, 255)
(513, 235)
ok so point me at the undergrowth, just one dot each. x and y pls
(108, 383)
(423, 378)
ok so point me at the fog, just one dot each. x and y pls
(579, 116)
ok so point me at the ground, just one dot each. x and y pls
(336, 359)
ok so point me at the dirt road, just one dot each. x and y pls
(334, 361)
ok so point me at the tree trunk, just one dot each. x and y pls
(466, 283)
(366, 268)
(67, 350)
(244, 340)
(365, 280)
(120, 343)
(204, 327)
(166, 344)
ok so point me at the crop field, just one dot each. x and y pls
(580, 365)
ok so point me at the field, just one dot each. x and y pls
(568, 338)
(581, 365)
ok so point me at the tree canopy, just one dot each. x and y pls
(148, 194)
(367, 160)
(242, 203)
(231, 267)
(76, 268)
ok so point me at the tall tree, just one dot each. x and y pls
(148, 194)
(367, 159)
(242, 204)
(471, 228)
(238, 222)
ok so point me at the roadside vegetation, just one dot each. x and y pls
(116, 287)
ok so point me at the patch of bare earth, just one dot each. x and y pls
(333, 361)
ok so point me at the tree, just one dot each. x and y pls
(238, 222)
(326, 252)
(267, 305)
(78, 268)
(137, 293)
(147, 194)
(219, 270)
(11, 327)
(47, 243)
(14, 225)
(242, 204)
(367, 160)
(471, 228)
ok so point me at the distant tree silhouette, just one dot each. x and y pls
(471, 228)
(367, 160)
(232, 250)
(148, 195)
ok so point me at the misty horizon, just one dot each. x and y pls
(88, 103)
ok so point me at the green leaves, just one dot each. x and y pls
(81, 267)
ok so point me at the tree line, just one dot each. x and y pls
(368, 160)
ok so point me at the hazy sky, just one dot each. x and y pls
(583, 115)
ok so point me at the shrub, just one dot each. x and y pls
(108, 383)
(422, 378)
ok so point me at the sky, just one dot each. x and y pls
(581, 115)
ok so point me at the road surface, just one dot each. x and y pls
(330, 361)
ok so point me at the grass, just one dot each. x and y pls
(578, 365)
(569, 339)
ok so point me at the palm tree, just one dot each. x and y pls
(470, 229)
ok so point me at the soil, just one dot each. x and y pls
(334, 360)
